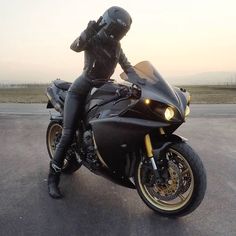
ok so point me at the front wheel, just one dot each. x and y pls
(53, 136)
(185, 188)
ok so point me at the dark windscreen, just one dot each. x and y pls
(148, 77)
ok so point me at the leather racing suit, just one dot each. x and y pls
(100, 60)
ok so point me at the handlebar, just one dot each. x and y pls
(122, 94)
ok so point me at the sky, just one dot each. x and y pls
(179, 37)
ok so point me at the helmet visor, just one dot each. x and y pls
(116, 30)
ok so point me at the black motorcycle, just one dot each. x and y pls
(126, 135)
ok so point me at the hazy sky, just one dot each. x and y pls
(178, 37)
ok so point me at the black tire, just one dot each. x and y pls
(53, 135)
(196, 194)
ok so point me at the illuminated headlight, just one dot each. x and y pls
(147, 101)
(187, 111)
(169, 113)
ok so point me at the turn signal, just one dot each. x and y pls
(187, 111)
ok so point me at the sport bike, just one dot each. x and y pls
(127, 136)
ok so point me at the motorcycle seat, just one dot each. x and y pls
(62, 84)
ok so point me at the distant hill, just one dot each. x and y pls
(207, 78)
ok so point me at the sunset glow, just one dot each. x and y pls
(178, 37)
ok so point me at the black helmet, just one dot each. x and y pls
(117, 23)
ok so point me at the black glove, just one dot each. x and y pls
(130, 70)
(123, 92)
(94, 27)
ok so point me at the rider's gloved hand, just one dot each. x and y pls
(123, 92)
(94, 27)
(130, 70)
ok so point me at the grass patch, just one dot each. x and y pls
(212, 94)
(24, 94)
(35, 93)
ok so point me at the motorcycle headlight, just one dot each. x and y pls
(169, 113)
(187, 111)
(147, 101)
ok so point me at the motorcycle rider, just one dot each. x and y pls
(100, 42)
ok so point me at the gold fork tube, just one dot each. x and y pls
(148, 145)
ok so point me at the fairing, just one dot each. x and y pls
(154, 87)
(119, 128)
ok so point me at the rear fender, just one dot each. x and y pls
(49, 105)
(55, 100)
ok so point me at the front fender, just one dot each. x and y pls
(174, 138)
(164, 142)
(158, 141)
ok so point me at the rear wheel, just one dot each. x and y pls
(185, 188)
(53, 136)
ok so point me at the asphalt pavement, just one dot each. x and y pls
(95, 206)
(197, 110)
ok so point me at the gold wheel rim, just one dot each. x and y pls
(53, 131)
(180, 201)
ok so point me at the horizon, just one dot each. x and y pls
(202, 78)
(229, 79)
(181, 38)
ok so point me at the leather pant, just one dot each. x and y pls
(73, 111)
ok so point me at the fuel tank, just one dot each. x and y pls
(95, 111)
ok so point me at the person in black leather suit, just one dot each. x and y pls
(102, 52)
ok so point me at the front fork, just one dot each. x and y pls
(154, 157)
(149, 150)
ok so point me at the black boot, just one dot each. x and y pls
(53, 181)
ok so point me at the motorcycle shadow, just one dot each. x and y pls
(95, 206)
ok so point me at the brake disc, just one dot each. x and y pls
(185, 182)
(185, 176)
(171, 189)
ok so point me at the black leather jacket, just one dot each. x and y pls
(100, 57)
